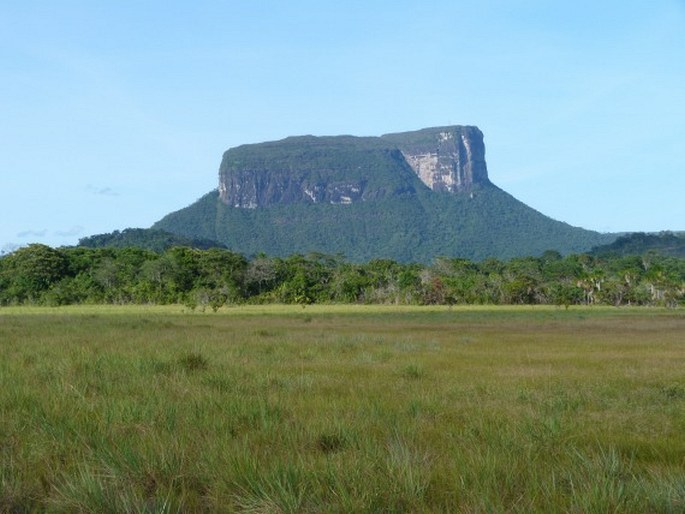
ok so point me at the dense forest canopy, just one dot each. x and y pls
(152, 239)
(638, 243)
(414, 228)
(39, 274)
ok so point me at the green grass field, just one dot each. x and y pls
(342, 409)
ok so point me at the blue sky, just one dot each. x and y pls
(117, 113)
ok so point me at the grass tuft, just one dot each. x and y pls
(673, 392)
(331, 442)
(413, 372)
(193, 361)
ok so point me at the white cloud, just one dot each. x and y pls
(102, 191)
(73, 231)
(32, 233)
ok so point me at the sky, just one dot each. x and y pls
(114, 114)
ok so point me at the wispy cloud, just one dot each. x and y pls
(8, 248)
(73, 231)
(32, 233)
(101, 191)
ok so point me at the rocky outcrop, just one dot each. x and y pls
(345, 169)
(450, 159)
(250, 189)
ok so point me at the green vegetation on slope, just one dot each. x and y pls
(414, 228)
(365, 411)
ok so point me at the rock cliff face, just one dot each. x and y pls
(308, 169)
(346, 169)
(450, 159)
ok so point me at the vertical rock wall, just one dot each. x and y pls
(450, 159)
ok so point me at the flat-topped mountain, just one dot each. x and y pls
(409, 196)
(346, 169)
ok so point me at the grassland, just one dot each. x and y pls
(342, 409)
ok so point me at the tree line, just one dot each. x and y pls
(210, 278)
